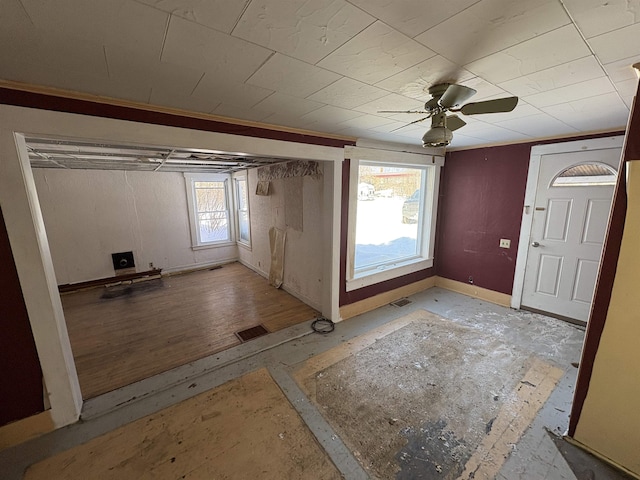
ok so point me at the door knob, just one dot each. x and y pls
(535, 244)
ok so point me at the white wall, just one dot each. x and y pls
(90, 214)
(303, 262)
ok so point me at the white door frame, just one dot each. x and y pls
(530, 197)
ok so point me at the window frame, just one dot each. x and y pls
(426, 221)
(190, 181)
(236, 192)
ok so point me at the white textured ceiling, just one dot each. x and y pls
(329, 66)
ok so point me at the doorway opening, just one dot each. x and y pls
(205, 241)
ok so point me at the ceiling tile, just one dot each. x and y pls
(539, 125)
(618, 44)
(627, 88)
(390, 127)
(532, 56)
(492, 25)
(348, 93)
(294, 77)
(375, 54)
(590, 88)
(171, 99)
(603, 112)
(235, 112)
(393, 101)
(622, 69)
(412, 17)
(365, 122)
(199, 47)
(491, 133)
(287, 105)
(595, 17)
(16, 28)
(581, 70)
(55, 52)
(118, 22)
(305, 30)
(522, 110)
(221, 15)
(414, 82)
(131, 67)
(330, 114)
(484, 89)
(218, 88)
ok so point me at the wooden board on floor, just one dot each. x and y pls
(150, 327)
(244, 429)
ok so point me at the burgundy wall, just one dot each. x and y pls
(608, 268)
(481, 201)
(21, 376)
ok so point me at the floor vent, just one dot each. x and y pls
(401, 303)
(251, 333)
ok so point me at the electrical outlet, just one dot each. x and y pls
(505, 243)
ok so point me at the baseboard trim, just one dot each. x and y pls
(22, 430)
(371, 303)
(600, 456)
(474, 291)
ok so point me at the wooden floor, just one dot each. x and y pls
(120, 335)
(246, 428)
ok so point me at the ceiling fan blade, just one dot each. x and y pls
(403, 111)
(415, 121)
(454, 122)
(455, 95)
(490, 106)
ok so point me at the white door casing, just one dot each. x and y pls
(563, 230)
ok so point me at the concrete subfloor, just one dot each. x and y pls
(533, 456)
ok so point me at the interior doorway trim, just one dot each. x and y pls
(530, 197)
(27, 234)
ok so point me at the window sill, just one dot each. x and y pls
(378, 276)
(212, 245)
(246, 246)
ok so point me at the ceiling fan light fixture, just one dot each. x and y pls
(438, 136)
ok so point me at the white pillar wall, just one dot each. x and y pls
(25, 227)
(27, 235)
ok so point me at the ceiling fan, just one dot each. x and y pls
(450, 97)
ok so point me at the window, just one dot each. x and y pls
(391, 219)
(208, 197)
(584, 175)
(242, 210)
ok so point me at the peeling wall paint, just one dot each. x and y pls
(296, 168)
(90, 214)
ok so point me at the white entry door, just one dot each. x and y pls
(570, 216)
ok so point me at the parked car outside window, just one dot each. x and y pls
(410, 208)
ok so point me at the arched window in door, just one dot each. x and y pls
(585, 174)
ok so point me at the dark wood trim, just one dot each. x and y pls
(608, 267)
(72, 287)
(23, 98)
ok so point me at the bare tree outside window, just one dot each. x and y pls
(211, 211)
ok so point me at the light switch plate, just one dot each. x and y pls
(505, 243)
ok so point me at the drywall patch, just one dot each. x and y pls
(295, 168)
